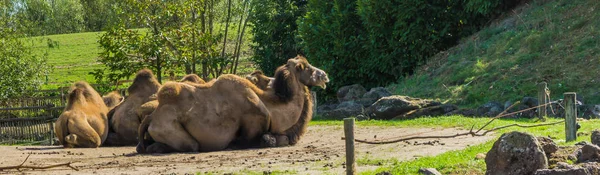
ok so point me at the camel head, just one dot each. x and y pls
(260, 79)
(306, 73)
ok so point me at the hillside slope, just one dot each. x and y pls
(553, 41)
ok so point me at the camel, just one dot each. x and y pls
(84, 122)
(112, 99)
(124, 120)
(260, 79)
(210, 116)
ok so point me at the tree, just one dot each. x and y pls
(20, 69)
(275, 31)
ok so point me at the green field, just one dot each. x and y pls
(461, 161)
(552, 41)
(75, 56)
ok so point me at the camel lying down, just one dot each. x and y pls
(83, 122)
(209, 117)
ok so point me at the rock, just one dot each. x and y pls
(589, 152)
(507, 104)
(384, 173)
(373, 95)
(429, 111)
(575, 171)
(515, 153)
(529, 101)
(548, 145)
(464, 112)
(479, 156)
(524, 114)
(352, 92)
(490, 109)
(596, 137)
(429, 171)
(589, 111)
(343, 110)
(389, 107)
(564, 165)
(326, 107)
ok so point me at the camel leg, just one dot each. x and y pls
(167, 130)
(82, 134)
(254, 126)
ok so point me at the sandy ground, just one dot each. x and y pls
(320, 151)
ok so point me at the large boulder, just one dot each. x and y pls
(389, 107)
(548, 145)
(588, 153)
(589, 111)
(464, 112)
(529, 101)
(596, 137)
(490, 109)
(590, 168)
(373, 95)
(343, 110)
(350, 93)
(515, 153)
(428, 111)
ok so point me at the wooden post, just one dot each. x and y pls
(349, 133)
(314, 102)
(570, 116)
(542, 112)
(51, 124)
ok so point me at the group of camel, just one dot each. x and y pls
(192, 115)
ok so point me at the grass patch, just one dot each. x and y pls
(461, 161)
(551, 41)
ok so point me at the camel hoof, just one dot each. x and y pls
(283, 140)
(268, 140)
(140, 148)
(158, 148)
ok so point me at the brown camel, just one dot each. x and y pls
(124, 120)
(208, 117)
(260, 79)
(112, 99)
(83, 122)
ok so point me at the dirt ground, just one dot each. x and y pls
(320, 151)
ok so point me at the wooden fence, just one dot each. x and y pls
(38, 130)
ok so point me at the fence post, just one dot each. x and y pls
(349, 134)
(570, 116)
(542, 91)
(314, 102)
(51, 124)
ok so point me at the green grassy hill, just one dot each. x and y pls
(552, 41)
(74, 56)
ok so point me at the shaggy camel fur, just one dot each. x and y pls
(260, 79)
(208, 117)
(124, 120)
(112, 99)
(83, 122)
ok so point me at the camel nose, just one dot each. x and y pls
(322, 76)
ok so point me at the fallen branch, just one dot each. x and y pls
(455, 135)
(476, 133)
(21, 166)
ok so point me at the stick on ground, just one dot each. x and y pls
(21, 166)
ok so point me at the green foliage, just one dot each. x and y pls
(20, 69)
(51, 17)
(536, 43)
(375, 42)
(275, 30)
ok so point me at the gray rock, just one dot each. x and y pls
(515, 153)
(373, 95)
(389, 107)
(507, 104)
(529, 101)
(574, 171)
(429, 171)
(564, 165)
(548, 145)
(343, 110)
(596, 137)
(352, 92)
(428, 111)
(589, 152)
(589, 111)
(490, 109)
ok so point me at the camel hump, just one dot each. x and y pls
(193, 78)
(145, 73)
(169, 92)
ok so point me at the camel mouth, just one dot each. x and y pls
(323, 86)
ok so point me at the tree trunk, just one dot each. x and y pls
(239, 38)
(237, 56)
(226, 27)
